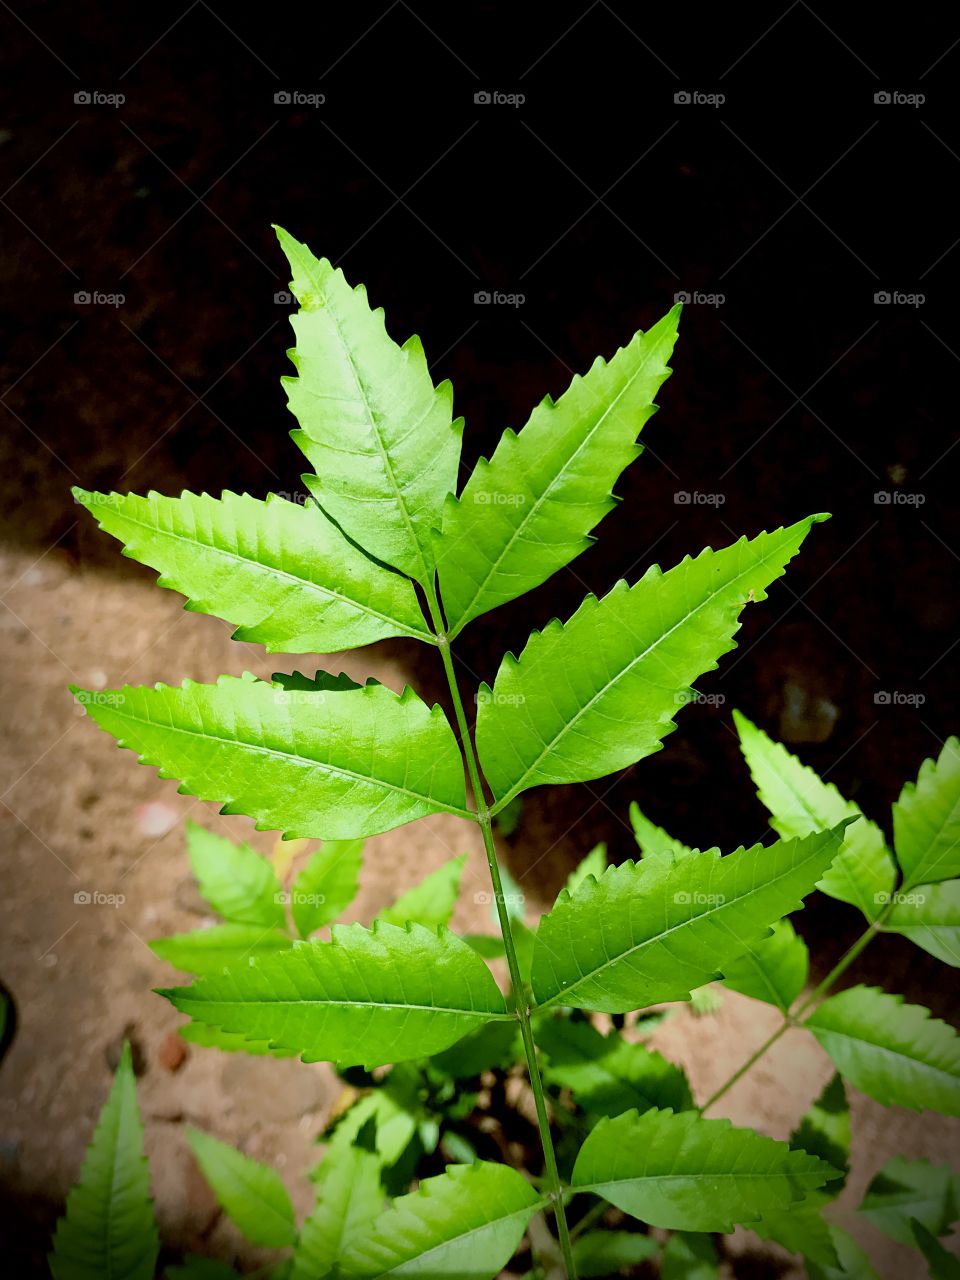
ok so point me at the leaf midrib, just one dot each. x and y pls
(529, 1211)
(292, 758)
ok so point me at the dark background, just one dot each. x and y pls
(598, 198)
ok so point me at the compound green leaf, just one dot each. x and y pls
(800, 802)
(773, 969)
(379, 435)
(926, 821)
(326, 886)
(335, 765)
(689, 1256)
(598, 693)
(282, 573)
(431, 902)
(895, 1052)
(929, 915)
(222, 946)
(651, 932)
(349, 1201)
(466, 1223)
(238, 883)
(251, 1193)
(530, 509)
(108, 1228)
(207, 1037)
(690, 1174)
(853, 1263)
(608, 1075)
(607, 1253)
(653, 841)
(366, 998)
(907, 1190)
(594, 864)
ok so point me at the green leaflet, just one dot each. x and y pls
(431, 902)
(653, 841)
(773, 969)
(926, 821)
(594, 864)
(943, 1264)
(800, 802)
(530, 509)
(801, 1229)
(251, 1193)
(690, 1174)
(326, 886)
(349, 1200)
(208, 1037)
(598, 693)
(929, 916)
(108, 1228)
(688, 1256)
(607, 1253)
(335, 765)
(825, 1130)
(238, 883)
(281, 573)
(378, 433)
(651, 932)
(366, 998)
(396, 1112)
(220, 947)
(854, 1263)
(608, 1075)
(912, 1190)
(895, 1052)
(467, 1222)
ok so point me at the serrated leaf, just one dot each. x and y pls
(530, 509)
(895, 1052)
(653, 841)
(926, 821)
(773, 969)
(379, 435)
(943, 1264)
(366, 998)
(906, 1190)
(251, 1193)
(222, 946)
(281, 573)
(690, 1174)
(349, 1200)
(801, 1229)
(606, 1253)
(108, 1227)
(207, 1037)
(688, 1256)
(853, 1262)
(326, 886)
(466, 1223)
(598, 693)
(332, 765)
(238, 883)
(608, 1075)
(825, 1130)
(800, 802)
(594, 864)
(929, 915)
(651, 932)
(431, 902)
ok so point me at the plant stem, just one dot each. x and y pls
(513, 964)
(795, 1019)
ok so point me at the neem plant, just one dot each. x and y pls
(388, 549)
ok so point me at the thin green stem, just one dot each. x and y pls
(795, 1019)
(516, 978)
(593, 1214)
